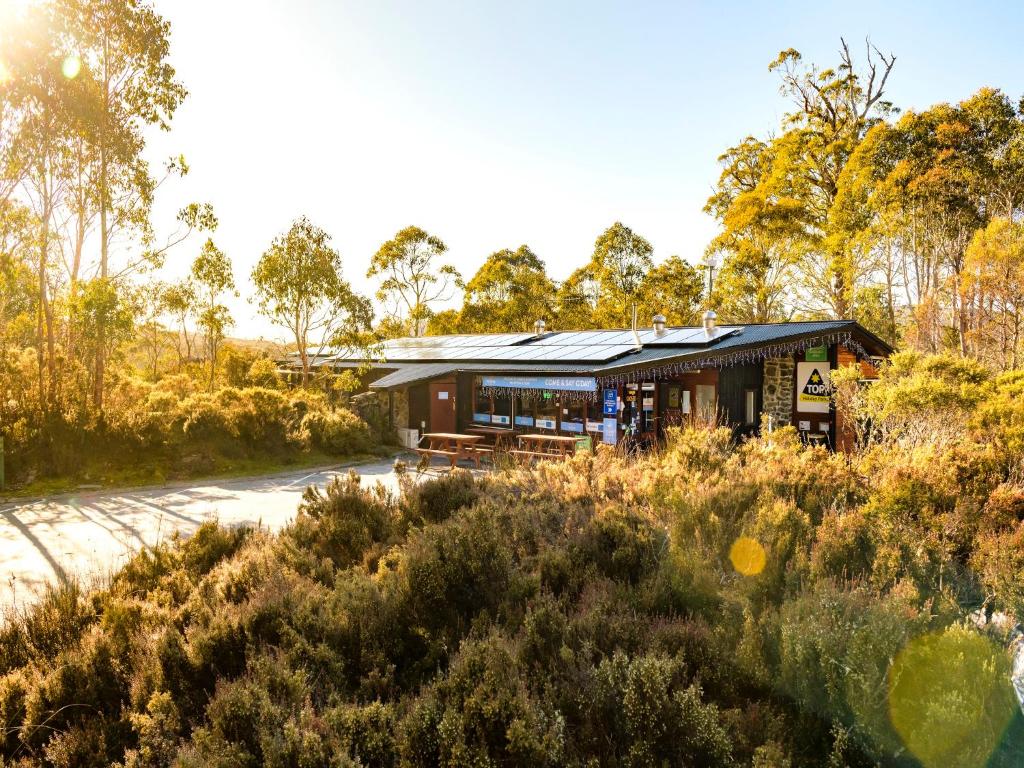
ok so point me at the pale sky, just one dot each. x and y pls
(492, 124)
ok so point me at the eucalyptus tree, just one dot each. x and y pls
(213, 278)
(509, 292)
(122, 49)
(299, 286)
(412, 275)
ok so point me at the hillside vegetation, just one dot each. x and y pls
(759, 604)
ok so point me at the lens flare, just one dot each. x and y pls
(748, 556)
(5, 74)
(71, 67)
(950, 698)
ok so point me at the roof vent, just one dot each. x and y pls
(709, 322)
(538, 327)
(659, 324)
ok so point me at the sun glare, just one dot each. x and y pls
(5, 74)
(747, 556)
(71, 67)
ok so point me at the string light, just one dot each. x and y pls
(679, 367)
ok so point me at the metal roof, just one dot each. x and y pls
(729, 340)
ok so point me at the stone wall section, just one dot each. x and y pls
(778, 390)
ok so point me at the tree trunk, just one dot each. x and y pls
(101, 331)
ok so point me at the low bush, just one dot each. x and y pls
(589, 613)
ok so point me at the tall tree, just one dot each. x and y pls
(674, 289)
(123, 47)
(213, 278)
(994, 283)
(299, 286)
(775, 198)
(509, 292)
(621, 261)
(412, 277)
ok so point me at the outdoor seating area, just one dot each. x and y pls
(487, 442)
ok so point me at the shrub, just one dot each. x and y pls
(337, 432)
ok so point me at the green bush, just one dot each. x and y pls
(337, 432)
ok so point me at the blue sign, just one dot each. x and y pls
(560, 383)
(611, 402)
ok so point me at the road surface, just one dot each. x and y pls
(90, 535)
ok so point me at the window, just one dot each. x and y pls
(750, 407)
(524, 411)
(574, 416)
(501, 411)
(546, 410)
(481, 405)
(707, 405)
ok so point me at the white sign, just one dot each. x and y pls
(546, 424)
(609, 432)
(813, 388)
(442, 395)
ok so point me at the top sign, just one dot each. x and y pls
(813, 388)
(816, 354)
(557, 383)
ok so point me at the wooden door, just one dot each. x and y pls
(442, 406)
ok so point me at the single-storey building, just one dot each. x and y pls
(612, 385)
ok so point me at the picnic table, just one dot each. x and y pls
(502, 438)
(545, 446)
(452, 446)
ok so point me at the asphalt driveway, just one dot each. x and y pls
(90, 535)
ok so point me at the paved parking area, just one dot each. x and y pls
(89, 535)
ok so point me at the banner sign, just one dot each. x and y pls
(816, 354)
(813, 388)
(611, 402)
(559, 383)
(608, 434)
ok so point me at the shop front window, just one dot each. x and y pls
(546, 409)
(481, 405)
(501, 411)
(524, 411)
(574, 416)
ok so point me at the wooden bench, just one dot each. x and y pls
(536, 454)
(429, 453)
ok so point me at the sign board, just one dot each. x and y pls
(496, 419)
(816, 354)
(611, 399)
(584, 445)
(560, 383)
(648, 404)
(813, 388)
(609, 433)
(546, 424)
(442, 395)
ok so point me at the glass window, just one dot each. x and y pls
(501, 411)
(546, 410)
(750, 406)
(707, 406)
(481, 405)
(524, 411)
(574, 416)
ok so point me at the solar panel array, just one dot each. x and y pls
(527, 354)
(562, 347)
(672, 337)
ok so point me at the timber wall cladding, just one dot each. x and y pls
(778, 390)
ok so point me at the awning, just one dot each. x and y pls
(554, 383)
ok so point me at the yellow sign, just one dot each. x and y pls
(813, 389)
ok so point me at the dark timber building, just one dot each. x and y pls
(616, 384)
